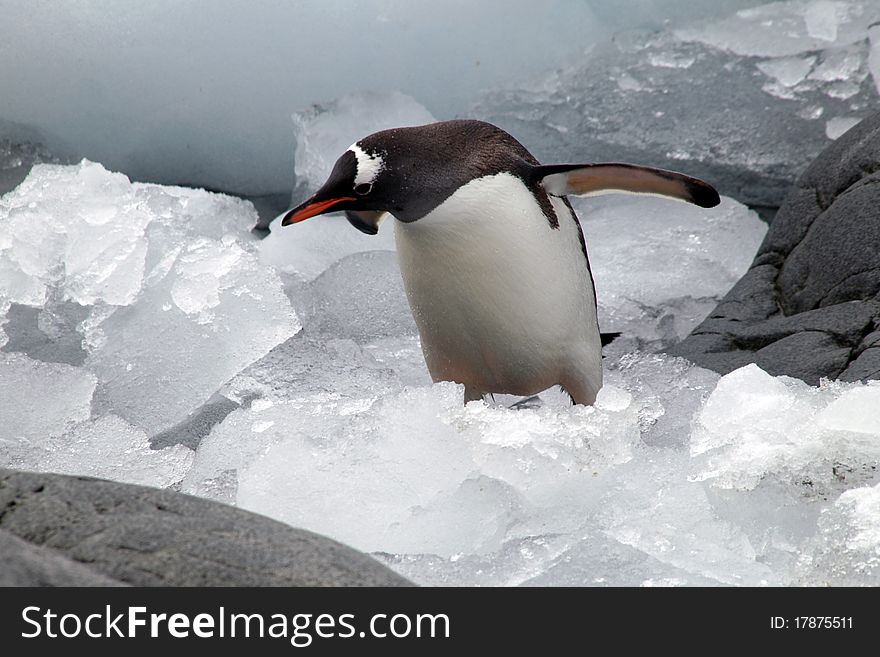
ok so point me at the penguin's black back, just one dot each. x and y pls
(425, 165)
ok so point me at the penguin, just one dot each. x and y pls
(492, 255)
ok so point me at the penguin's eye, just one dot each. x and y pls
(363, 188)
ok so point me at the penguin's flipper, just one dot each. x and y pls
(590, 179)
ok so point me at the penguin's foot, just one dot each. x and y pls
(529, 402)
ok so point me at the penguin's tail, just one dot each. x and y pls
(608, 338)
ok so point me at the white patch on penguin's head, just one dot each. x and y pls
(368, 166)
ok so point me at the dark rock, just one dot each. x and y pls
(81, 530)
(26, 564)
(809, 306)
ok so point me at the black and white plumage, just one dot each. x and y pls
(493, 258)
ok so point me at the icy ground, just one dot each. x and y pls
(130, 309)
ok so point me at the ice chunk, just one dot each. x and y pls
(360, 297)
(788, 71)
(594, 560)
(375, 490)
(304, 365)
(287, 441)
(404, 355)
(678, 526)
(215, 312)
(669, 391)
(851, 411)
(325, 131)
(755, 425)
(106, 447)
(841, 64)
(45, 426)
(83, 229)
(40, 400)
(659, 265)
(786, 28)
(516, 562)
(309, 248)
(835, 127)
(78, 228)
(848, 544)
(599, 560)
(822, 19)
(669, 60)
(675, 477)
(176, 299)
(49, 334)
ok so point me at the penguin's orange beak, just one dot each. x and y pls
(311, 208)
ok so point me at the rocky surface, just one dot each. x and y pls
(809, 306)
(26, 564)
(61, 530)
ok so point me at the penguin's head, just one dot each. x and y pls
(407, 172)
(358, 185)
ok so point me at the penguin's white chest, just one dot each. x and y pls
(503, 301)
